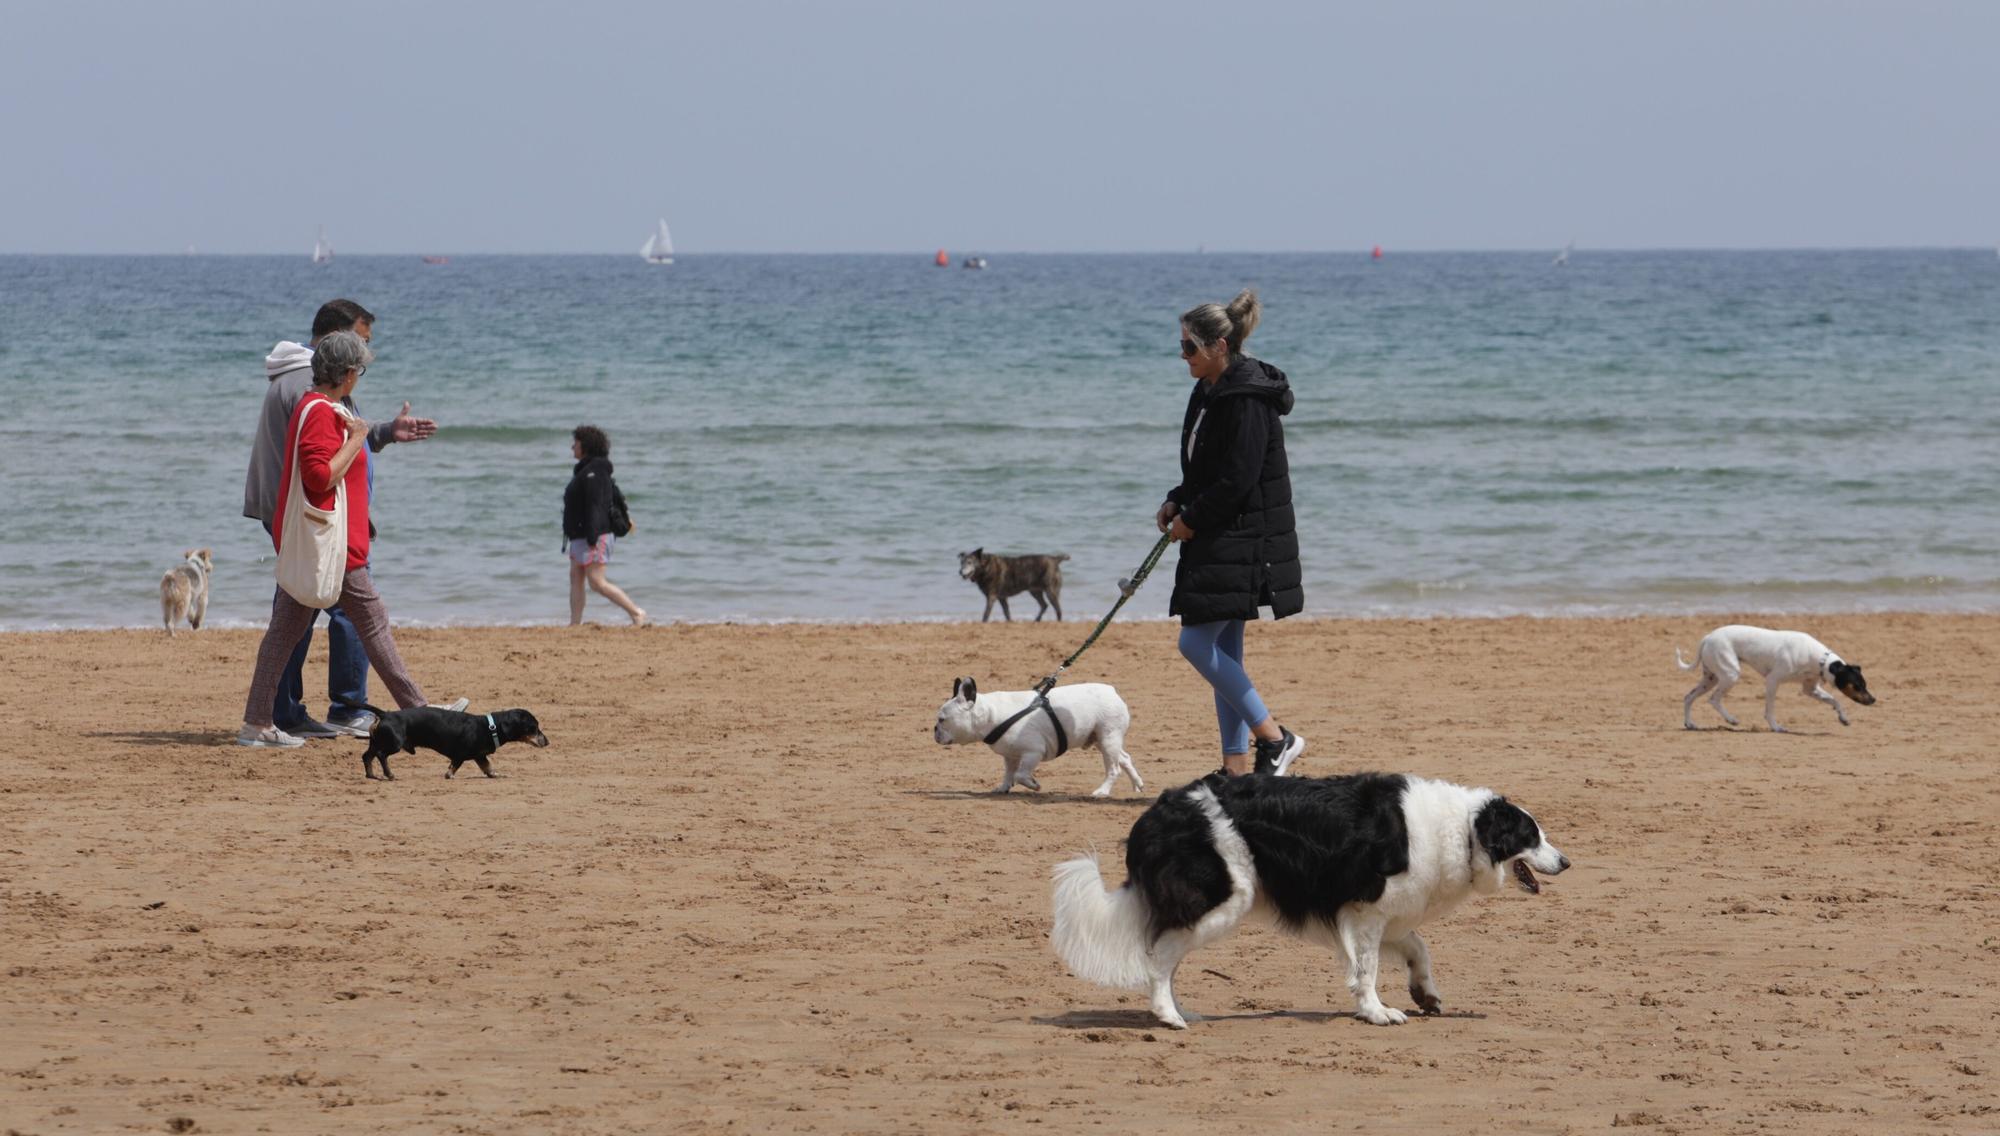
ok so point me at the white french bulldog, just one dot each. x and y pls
(1089, 713)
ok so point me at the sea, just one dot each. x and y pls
(817, 437)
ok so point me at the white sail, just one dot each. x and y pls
(322, 252)
(1562, 257)
(659, 248)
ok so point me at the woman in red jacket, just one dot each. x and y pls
(326, 440)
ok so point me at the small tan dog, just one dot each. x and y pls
(184, 590)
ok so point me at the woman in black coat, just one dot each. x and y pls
(587, 535)
(1232, 514)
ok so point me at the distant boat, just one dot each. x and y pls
(322, 252)
(659, 248)
(975, 262)
(1562, 258)
(437, 260)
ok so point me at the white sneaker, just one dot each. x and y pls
(1294, 746)
(270, 737)
(454, 704)
(1276, 757)
(359, 726)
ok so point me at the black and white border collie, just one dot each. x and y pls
(1355, 863)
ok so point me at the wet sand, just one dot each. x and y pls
(744, 890)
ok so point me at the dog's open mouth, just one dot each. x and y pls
(1526, 876)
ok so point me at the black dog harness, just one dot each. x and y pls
(1041, 702)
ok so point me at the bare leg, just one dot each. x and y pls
(610, 591)
(575, 593)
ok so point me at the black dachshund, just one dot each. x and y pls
(460, 737)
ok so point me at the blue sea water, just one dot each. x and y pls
(816, 437)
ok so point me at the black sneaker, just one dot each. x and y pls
(1276, 757)
(311, 728)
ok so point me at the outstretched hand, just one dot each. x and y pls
(409, 429)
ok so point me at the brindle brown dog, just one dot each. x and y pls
(1001, 576)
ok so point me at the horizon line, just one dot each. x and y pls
(1362, 250)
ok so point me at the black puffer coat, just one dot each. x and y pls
(587, 501)
(1236, 494)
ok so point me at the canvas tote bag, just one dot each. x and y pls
(312, 549)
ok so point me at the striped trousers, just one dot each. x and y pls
(289, 620)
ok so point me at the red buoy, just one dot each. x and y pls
(943, 260)
(1377, 254)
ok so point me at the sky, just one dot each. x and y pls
(1023, 126)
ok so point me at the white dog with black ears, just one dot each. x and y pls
(1353, 863)
(1027, 729)
(1781, 657)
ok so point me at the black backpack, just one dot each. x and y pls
(621, 521)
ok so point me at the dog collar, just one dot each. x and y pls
(495, 731)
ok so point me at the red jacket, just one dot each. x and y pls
(325, 432)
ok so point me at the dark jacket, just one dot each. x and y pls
(1236, 494)
(587, 501)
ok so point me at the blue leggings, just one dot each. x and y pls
(1216, 650)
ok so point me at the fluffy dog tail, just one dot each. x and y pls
(1683, 663)
(1101, 935)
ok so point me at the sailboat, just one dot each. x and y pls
(1562, 258)
(659, 248)
(322, 252)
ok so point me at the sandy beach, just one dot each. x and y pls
(744, 890)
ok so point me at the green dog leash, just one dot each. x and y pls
(1126, 588)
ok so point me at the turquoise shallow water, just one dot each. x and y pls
(815, 437)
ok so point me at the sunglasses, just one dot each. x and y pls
(1188, 348)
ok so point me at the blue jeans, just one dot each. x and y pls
(1216, 650)
(346, 673)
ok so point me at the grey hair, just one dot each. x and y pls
(1207, 323)
(338, 353)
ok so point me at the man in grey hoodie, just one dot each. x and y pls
(288, 369)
